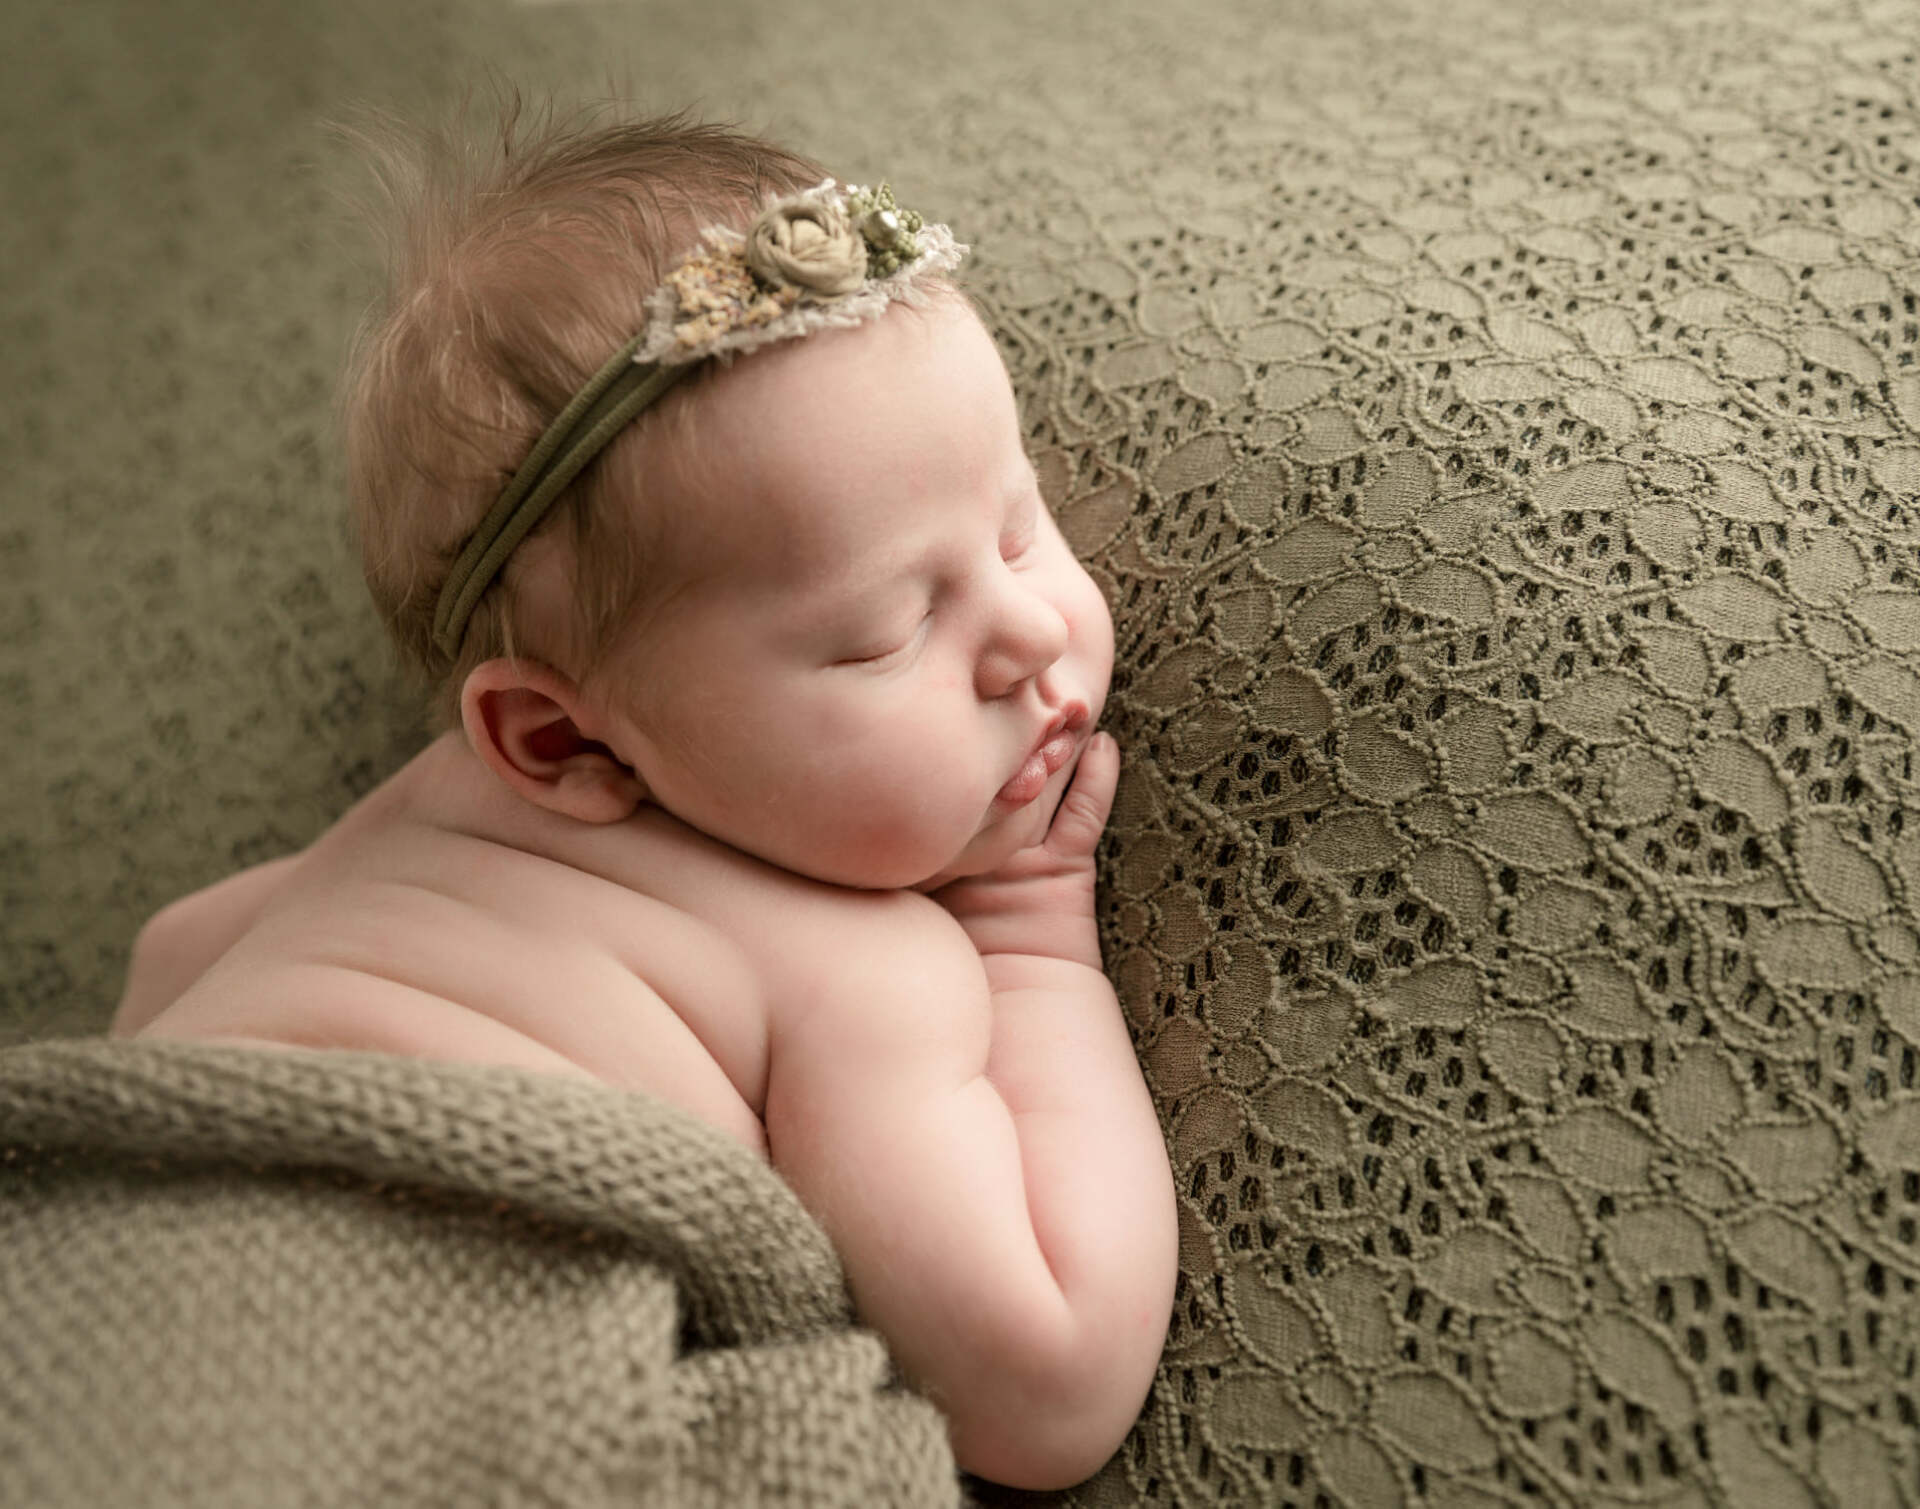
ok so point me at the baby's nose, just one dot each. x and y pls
(1029, 635)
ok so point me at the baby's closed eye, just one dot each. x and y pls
(889, 648)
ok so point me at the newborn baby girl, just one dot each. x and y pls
(770, 786)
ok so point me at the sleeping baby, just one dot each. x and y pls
(770, 784)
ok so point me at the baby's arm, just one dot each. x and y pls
(983, 1150)
(181, 940)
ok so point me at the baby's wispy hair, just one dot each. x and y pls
(521, 241)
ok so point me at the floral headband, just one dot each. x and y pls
(833, 255)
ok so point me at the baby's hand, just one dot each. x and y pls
(1040, 902)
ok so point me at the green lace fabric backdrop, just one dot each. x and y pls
(1497, 428)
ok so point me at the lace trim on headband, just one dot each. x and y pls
(738, 293)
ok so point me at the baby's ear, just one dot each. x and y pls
(523, 719)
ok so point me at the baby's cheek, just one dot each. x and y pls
(897, 838)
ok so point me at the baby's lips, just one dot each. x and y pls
(1059, 749)
(1054, 751)
(1028, 782)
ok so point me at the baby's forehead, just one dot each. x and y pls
(802, 457)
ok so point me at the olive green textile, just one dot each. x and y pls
(1497, 428)
(340, 1279)
(255, 1279)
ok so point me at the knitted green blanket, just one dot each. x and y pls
(251, 1278)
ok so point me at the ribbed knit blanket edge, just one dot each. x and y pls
(254, 1277)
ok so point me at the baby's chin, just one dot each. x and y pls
(996, 839)
(1005, 835)
(985, 852)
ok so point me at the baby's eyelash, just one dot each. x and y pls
(908, 643)
(872, 659)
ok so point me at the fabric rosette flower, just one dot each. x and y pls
(809, 245)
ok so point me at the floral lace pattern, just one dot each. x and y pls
(1505, 474)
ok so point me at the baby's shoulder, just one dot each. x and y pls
(891, 929)
(879, 980)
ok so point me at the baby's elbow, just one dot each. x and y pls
(1058, 1422)
(1063, 1460)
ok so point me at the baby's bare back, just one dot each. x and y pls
(444, 918)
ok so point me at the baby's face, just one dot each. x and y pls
(883, 660)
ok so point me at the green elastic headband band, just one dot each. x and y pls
(598, 412)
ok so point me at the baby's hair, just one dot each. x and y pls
(518, 261)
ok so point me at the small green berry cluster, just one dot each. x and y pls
(888, 230)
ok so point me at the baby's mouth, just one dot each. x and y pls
(1055, 748)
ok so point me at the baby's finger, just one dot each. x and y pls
(1083, 810)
